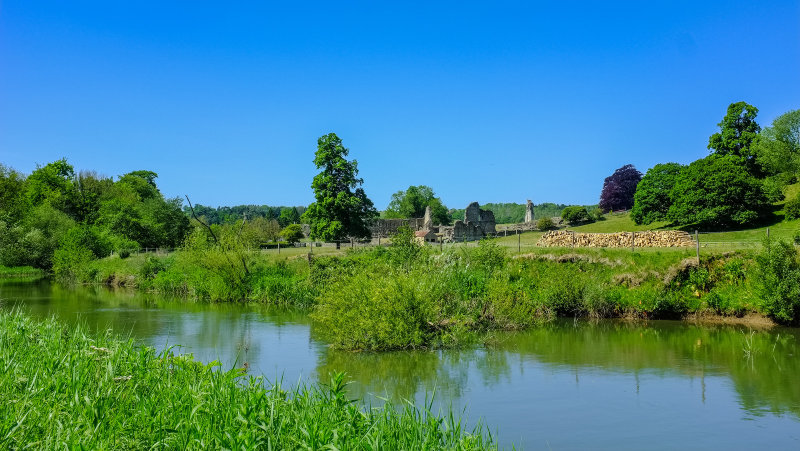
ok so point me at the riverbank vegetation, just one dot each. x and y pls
(409, 296)
(76, 388)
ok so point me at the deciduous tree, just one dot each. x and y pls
(411, 203)
(652, 199)
(618, 189)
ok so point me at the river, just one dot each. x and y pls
(566, 385)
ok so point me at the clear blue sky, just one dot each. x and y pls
(486, 101)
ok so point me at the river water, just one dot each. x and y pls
(567, 385)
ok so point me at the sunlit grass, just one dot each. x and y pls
(64, 388)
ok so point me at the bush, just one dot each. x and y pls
(545, 224)
(575, 214)
(489, 256)
(778, 280)
(292, 233)
(792, 208)
(125, 253)
(405, 248)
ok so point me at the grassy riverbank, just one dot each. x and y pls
(406, 296)
(20, 271)
(69, 388)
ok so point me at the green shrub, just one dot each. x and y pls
(292, 233)
(405, 247)
(374, 311)
(545, 224)
(125, 253)
(778, 280)
(152, 266)
(575, 214)
(792, 208)
(488, 255)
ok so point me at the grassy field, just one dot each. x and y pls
(66, 388)
(709, 241)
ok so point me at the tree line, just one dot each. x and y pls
(55, 210)
(736, 185)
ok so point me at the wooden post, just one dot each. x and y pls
(441, 243)
(573, 239)
(338, 245)
(519, 242)
(352, 243)
(279, 247)
(379, 241)
(767, 232)
(633, 238)
(697, 244)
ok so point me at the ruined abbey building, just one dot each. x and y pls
(477, 224)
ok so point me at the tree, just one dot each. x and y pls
(53, 183)
(341, 209)
(289, 215)
(13, 201)
(575, 214)
(619, 188)
(717, 191)
(738, 131)
(292, 233)
(411, 203)
(778, 147)
(652, 199)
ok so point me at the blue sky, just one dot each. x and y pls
(485, 101)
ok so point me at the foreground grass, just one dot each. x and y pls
(71, 388)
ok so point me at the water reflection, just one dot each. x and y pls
(619, 384)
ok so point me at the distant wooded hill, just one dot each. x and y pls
(229, 215)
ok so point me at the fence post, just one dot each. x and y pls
(633, 238)
(441, 243)
(379, 241)
(767, 232)
(697, 241)
(279, 247)
(573, 239)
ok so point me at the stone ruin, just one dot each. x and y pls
(476, 225)
(529, 211)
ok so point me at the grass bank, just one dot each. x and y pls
(407, 297)
(21, 271)
(74, 388)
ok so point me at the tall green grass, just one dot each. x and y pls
(73, 388)
(20, 271)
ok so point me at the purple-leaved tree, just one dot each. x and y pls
(618, 189)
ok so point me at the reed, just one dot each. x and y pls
(75, 388)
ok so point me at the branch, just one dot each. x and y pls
(201, 222)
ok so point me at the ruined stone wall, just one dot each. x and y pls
(388, 227)
(661, 238)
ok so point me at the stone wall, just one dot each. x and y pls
(661, 238)
(388, 227)
(477, 224)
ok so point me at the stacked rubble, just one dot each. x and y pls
(661, 238)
